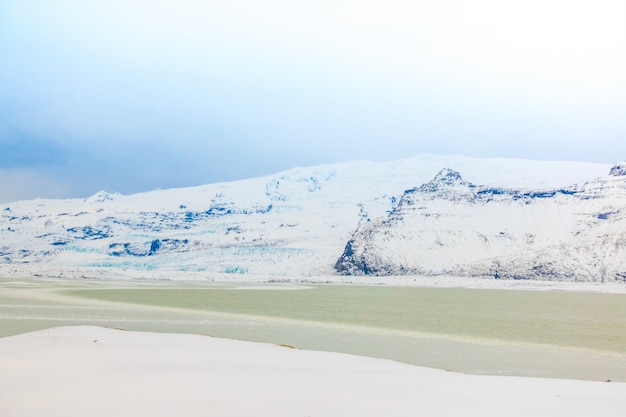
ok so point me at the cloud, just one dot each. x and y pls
(21, 150)
(22, 184)
(129, 96)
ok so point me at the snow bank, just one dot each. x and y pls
(92, 371)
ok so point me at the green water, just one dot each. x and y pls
(497, 332)
(583, 320)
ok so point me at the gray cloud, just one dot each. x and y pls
(23, 183)
(132, 96)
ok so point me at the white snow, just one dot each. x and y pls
(92, 371)
(291, 224)
(576, 233)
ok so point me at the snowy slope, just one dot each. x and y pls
(451, 226)
(89, 371)
(294, 223)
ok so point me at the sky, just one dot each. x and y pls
(131, 96)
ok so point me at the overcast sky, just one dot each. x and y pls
(130, 96)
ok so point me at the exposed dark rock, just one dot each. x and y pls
(154, 247)
(151, 248)
(416, 238)
(618, 170)
(90, 233)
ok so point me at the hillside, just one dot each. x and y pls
(452, 227)
(297, 223)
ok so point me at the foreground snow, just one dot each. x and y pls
(92, 371)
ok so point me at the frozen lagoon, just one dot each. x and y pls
(556, 334)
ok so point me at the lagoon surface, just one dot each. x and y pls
(560, 334)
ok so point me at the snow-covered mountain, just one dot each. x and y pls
(297, 223)
(450, 226)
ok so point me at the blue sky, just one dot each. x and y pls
(130, 96)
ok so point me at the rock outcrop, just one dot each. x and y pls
(449, 226)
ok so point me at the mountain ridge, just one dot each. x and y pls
(449, 226)
(293, 223)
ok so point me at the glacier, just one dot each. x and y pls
(529, 221)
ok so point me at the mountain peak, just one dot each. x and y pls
(618, 170)
(448, 176)
(447, 182)
(100, 197)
